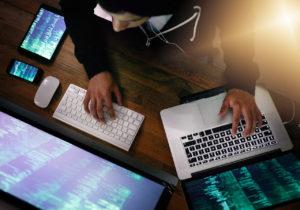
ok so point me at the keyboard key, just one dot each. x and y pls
(221, 128)
(189, 143)
(192, 160)
(200, 158)
(208, 132)
(236, 141)
(207, 150)
(267, 133)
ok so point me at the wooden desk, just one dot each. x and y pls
(148, 86)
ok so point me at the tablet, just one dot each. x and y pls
(45, 34)
(41, 168)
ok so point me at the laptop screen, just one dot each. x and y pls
(50, 173)
(254, 186)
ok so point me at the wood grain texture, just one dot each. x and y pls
(149, 84)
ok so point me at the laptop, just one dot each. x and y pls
(202, 145)
(45, 165)
(199, 139)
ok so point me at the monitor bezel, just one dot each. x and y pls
(59, 45)
(246, 162)
(75, 138)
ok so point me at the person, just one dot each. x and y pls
(166, 22)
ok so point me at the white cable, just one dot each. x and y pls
(195, 15)
(293, 115)
(162, 38)
(148, 41)
(196, 23)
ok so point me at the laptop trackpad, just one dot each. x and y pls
(210, 108)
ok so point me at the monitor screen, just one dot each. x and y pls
(50, 173)
(45, 34)
(254, 186)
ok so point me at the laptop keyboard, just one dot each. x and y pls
(218, 143)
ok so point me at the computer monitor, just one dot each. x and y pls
(39, 166)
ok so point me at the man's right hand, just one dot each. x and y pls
(98, 95)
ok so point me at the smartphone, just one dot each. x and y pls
(24, 71)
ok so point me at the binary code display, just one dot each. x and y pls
(44, 34)
(23, 70)
(50, 173)
(251, 187)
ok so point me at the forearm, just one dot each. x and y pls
(85, 32)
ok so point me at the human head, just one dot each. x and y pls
(133, 13)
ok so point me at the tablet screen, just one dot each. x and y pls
(45, 34)
(50, 173)
(254, 186)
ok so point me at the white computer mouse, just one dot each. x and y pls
(46, 91)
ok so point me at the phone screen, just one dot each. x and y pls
(23, 71)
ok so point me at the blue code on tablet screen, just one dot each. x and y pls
(44, 34)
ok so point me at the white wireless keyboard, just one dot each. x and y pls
(120, 132)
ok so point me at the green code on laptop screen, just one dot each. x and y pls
(255, 186)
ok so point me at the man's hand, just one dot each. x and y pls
(242, 103)
(98, 95)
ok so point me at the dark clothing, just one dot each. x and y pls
(233, 17)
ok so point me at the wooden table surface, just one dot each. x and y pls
(148, 85)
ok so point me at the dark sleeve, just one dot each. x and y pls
(237, 33)
(85, 32)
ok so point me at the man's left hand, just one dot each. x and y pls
(243, 104)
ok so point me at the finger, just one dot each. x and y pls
(92, 107)
(99, 110)
(249, 119)
(224, 108)
(254, 122)
(235, 118)
(86, 102)
(109, 106)
(259, 117)
(118, 95)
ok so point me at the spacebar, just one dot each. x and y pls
(222, 128)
